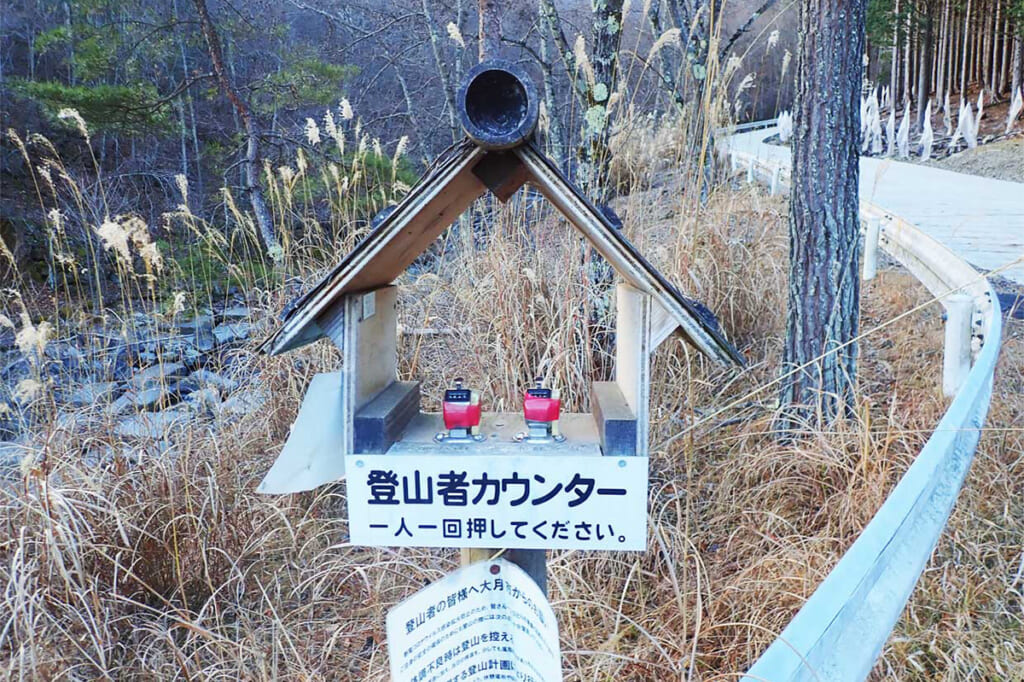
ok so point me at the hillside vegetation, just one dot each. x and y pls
(147, 554)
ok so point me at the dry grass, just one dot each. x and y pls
(171, 567)
(175, 568)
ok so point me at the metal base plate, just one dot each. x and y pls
(498, 430)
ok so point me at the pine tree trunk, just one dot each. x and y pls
(907, 59)
(253, 191)
(965, 50)
(820, 357)
(1018, 63)
(894, 69)
(1004, 61)
(954, 53)
(924, 76)
(993, 79)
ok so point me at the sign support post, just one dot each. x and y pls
(533, 561)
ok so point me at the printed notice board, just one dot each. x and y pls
(515, 501)
(487, 621)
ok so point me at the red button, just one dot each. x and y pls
(541, 409)
(461, 415)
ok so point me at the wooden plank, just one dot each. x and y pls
(633, 356)
(502, 172)
(616, 422)
(380, 423)
(364, 327)
(396, 255)
(377, 341)
(340, 323)
(662, 324)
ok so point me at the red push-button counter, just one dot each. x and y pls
(540, 409)
(461, 415)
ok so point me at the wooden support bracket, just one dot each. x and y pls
(502, 173)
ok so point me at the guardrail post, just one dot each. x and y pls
(750, 170)
(775, 180)
(956, 362)
(871, 248)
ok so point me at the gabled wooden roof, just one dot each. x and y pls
(456, 179)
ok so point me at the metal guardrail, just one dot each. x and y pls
(839, 632)
(745, 127)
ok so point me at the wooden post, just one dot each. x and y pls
(871, 248)
(533, 561)
(632, 355)
(956, 362)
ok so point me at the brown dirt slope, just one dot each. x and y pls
(1003, 160)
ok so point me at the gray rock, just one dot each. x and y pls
(97, 392)
(153, 398)
(236, 312)
(64, 355)
(16, 370)
(145, 357)
(229, 332)
(245, 402)
(153, 425)
(204, 341)
(208, 378)
(74, 421)
(183, 387)
(205, 399)
(121, 405)
(158, 374)
(196, 324)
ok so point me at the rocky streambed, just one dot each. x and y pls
(140, 379)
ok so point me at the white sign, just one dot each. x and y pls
(514, 501)
(487, 621)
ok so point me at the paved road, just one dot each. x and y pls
(981, 219)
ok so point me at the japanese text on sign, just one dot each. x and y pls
(541, 502)
(487, 621)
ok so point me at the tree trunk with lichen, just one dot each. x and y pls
(554, 137)
(595, 160)
(820, 354)
(594, 154)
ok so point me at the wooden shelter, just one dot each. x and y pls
(365, 409)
